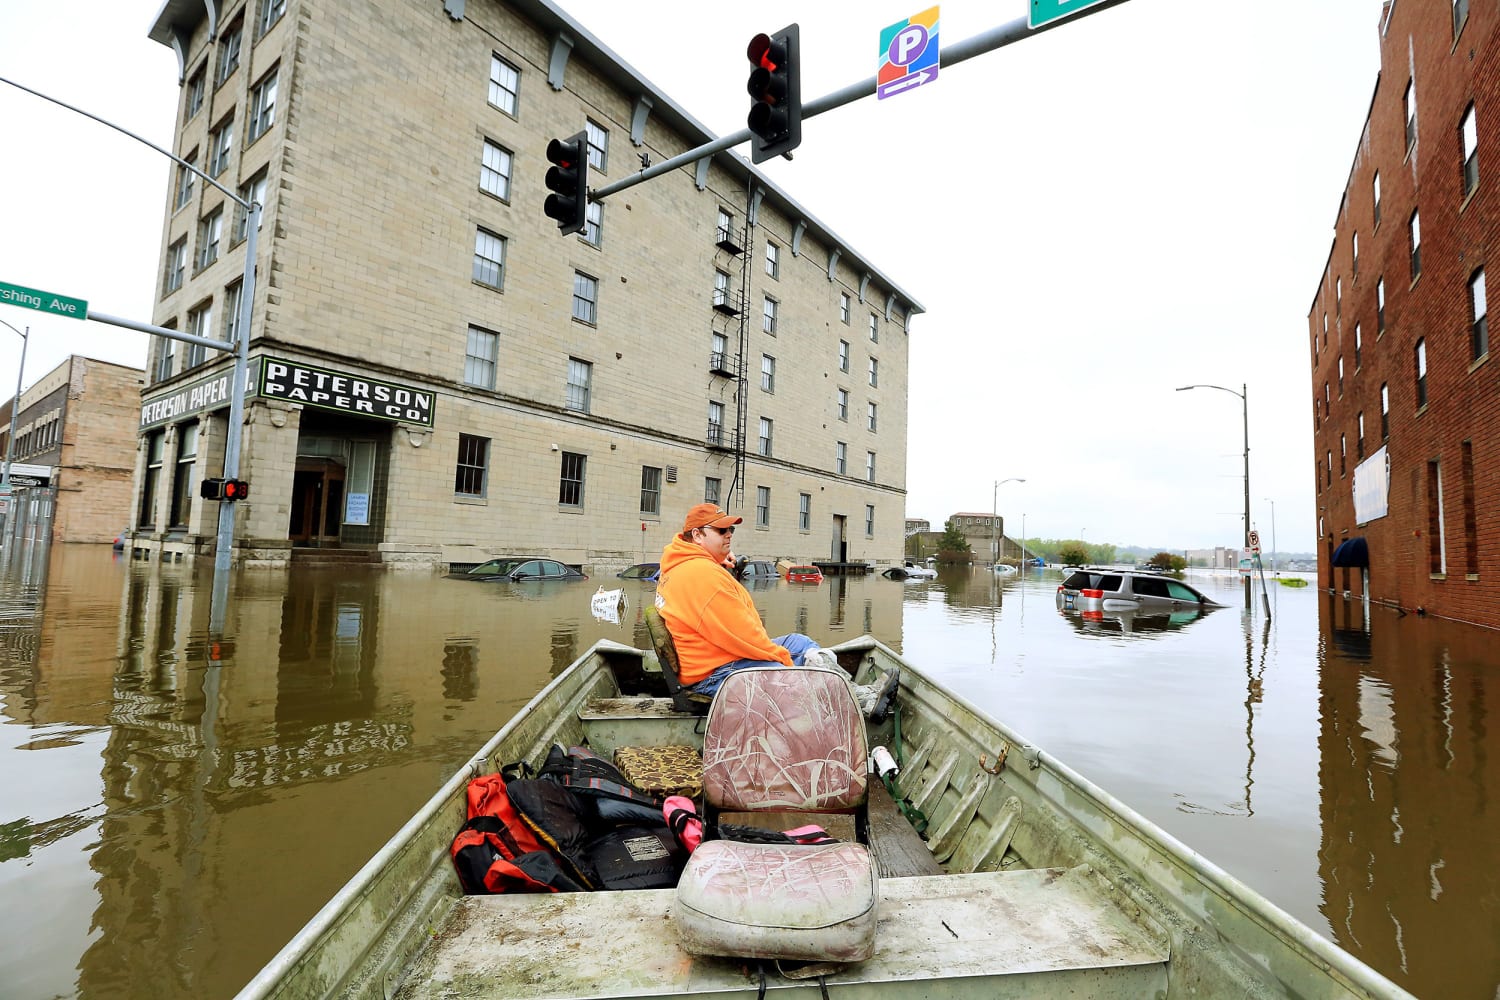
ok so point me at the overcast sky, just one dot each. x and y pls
(1158, 191)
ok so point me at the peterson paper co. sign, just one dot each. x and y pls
(331, 390)
(205, 394)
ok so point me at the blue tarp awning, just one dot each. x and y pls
(1352, 552)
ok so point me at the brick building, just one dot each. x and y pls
(1405, 398)
(75, 438)
(438, 375)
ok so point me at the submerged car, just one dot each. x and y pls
(1102, 589)
(909, 571)
(640, 571)
(804, 574)
(518, 568)
(756, 569)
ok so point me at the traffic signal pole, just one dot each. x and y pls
(952, 55)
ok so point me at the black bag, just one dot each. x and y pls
(559, 821)
(606, 797)
(634, 857)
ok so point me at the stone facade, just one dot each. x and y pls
(570, 380)
(76, 422)
(1404, 393)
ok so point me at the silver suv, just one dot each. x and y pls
(1101, 589)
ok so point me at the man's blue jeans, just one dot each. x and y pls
(794, 642)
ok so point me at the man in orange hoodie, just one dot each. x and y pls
(713, 622)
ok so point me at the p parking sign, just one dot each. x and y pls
(908, 54)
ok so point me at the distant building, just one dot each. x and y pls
(75, 451)
(1405, 397)
(916, 524)
(1215, 558)
(985, 534)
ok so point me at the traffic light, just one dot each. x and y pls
(568, 180)
(776, 114)
(224, 489)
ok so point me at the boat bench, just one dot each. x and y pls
(1016, 934)
(637, 721)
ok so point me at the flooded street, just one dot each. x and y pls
(173, 812)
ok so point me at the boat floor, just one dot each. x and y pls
(1024, 933)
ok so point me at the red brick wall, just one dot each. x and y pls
(1463, 396)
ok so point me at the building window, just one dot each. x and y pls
(762, 506)
(1342, 457)
(593, 223)
(1414, 233)
(843, 404)
(489, 258)
(1358, 346)
(1419, 355)
(874, 329)
(229, 50)
(1327, 401)
(874, 372)
(185, 179)
(1354, 240)
(598, 142)
(719, 352)
(768, 316)
(210, 229)
(715, 422)
(580, 384)
(843, 355)
(232, 293)
(841, 459)
(1359, 436)
(494, 170)
(1341, 376)
(585, 298)
(713, 488)
(570, 485)
(505, 82)
(1479, 324)
(1375, 186)
(767, 373)
(254, 192)
(176, 265)
(773, 259)
(473, 462)
(869, 466)
(724, 226)
(1380, 306)
(195, 88)
(1437, 542)
(270, 13)
(1471, 521)
(1460, 15)
(164, 359)
(481, 355)
(766, 428)
(870, 416)
(220, 147)
(1469, 136)
(804, 512)
(200, 323)
(1338, 295)
(844, 308)
(721, 289)
(146, 518)
(1409, 104)
(1385, 412)
(262, 107)
(650, 489)
(869, 520)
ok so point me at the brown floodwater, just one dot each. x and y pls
(172, 810)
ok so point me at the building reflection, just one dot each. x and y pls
(1406, 707)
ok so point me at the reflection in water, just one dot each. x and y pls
(173, 814)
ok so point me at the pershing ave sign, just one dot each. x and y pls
(298, 383)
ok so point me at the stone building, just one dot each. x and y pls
(1405, 398)
(72, 462)
(437, 375)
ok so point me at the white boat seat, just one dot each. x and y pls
(785, 739)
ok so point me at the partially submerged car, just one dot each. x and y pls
(515, 569)
(909, 571)
(1096, 588)
(640, 571)
(804, 574)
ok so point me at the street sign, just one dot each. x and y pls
(1046, 11)
(1255, 541)
(32, 298)
(908, 54)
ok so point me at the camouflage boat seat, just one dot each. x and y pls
(784, 739)
(683, 699)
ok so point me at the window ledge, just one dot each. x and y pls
(1477, 362)
(471, 501)
(1437, 576)
(1414, 281)
(1420, 410)
(1468, 197)
(1472, 577)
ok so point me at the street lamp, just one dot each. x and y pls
(1245, 416)
(15, 404)
(1273, 533)
(994, 516)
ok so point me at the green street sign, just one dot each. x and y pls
(1046, 11)
(32, 298)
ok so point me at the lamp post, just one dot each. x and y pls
(1273, 533)
(1245, 417)
(15, 404)
(994, 516)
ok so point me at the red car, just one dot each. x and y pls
(804, 574)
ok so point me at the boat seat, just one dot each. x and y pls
(684, 699)
(783, 739)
